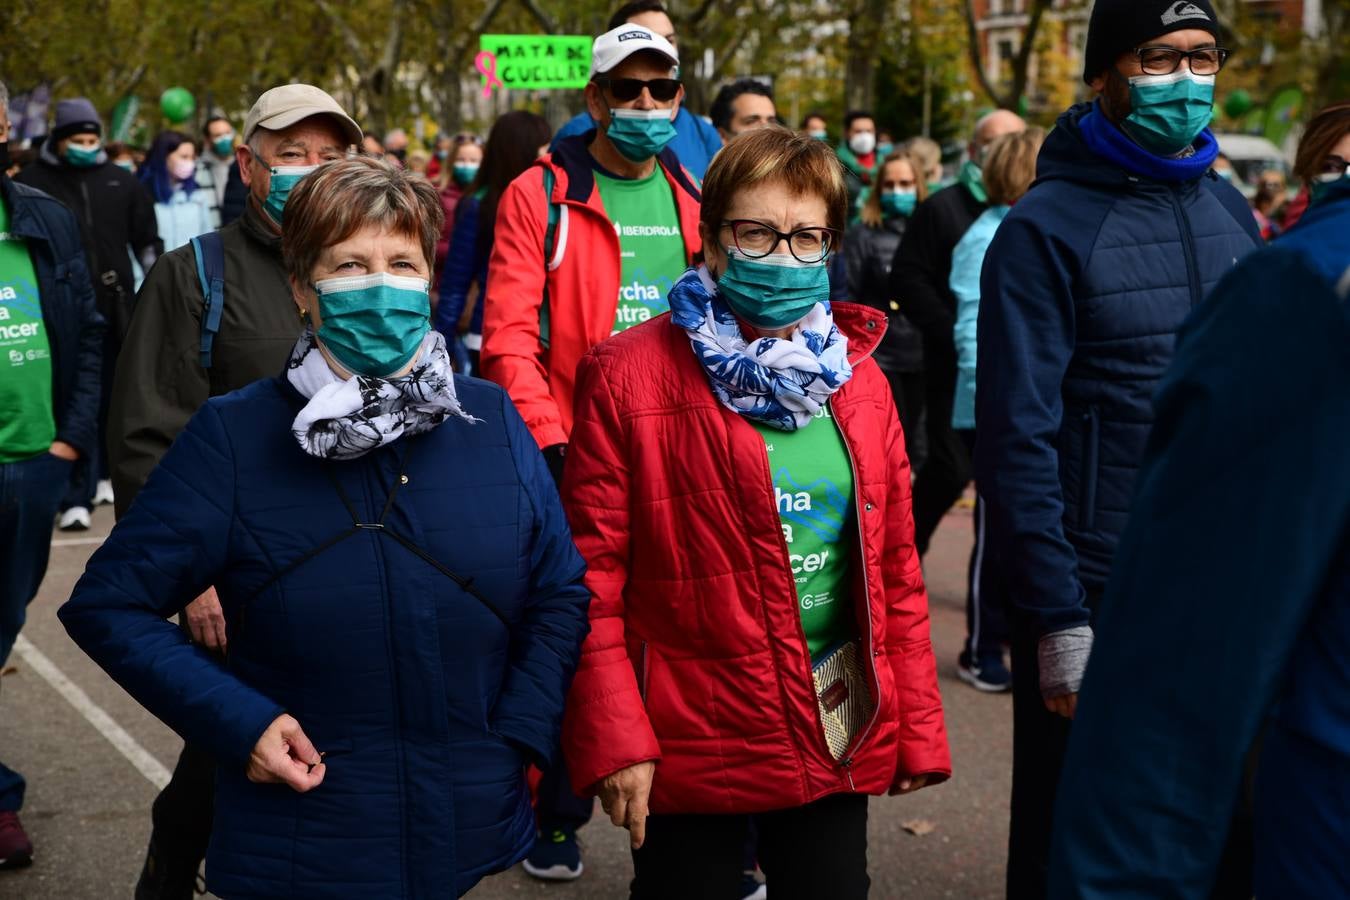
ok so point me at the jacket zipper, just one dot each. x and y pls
(845, 764)
(88, 208)
(1188, 244)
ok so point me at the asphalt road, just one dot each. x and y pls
(92, 756)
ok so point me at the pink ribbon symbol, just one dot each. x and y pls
(486, 63)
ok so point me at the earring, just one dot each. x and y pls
(304, 315)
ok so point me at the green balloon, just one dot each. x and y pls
(1238, 104)
(177, 104)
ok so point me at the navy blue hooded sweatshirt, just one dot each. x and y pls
(1084, 289)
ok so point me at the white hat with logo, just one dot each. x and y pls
(613, 47)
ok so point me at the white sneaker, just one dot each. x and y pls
(103, 494)
(74, 519)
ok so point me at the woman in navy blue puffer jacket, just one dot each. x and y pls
(404, 603)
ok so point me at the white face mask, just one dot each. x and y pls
(863, 143)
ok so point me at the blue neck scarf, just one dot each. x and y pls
(1109, 142)
(779, 382)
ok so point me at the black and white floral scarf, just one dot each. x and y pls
(347, 418)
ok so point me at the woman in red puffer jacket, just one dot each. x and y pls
(738, 484)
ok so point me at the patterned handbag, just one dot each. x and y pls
(845, 703)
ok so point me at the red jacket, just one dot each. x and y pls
(581, 282)
(696, 655)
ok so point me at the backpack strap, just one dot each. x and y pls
(209, 250)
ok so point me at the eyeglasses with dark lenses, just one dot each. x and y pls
(755, 240)
(1166, 60)
(626, 90)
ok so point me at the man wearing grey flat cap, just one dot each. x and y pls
(210, 319)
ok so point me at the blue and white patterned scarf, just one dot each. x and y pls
(780, 382)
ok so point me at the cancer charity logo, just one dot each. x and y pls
(813, 488)
(651, 248)
(23, 340)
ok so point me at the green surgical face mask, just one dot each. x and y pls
(223, 145)
(821, 135)
(284, 180)
(972, 176)
(1169, 111)
(774, 291)
(373, 324)
(83, 157)
(640, 134)
(898, 203)
(463, 173)
(1320, 187)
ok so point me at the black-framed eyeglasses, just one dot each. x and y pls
(1334, 165)
(756, 240)
(626, 90)
(1166, 60)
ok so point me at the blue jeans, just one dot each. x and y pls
(30, 491)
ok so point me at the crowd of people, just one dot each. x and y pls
(612, 454)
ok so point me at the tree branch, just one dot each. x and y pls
(973, 45)
(1023, 60)
(348, 35)
(545, 20)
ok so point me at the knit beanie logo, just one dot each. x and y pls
(1182, 10)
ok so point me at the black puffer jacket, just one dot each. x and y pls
(117, 220)
(868, 254)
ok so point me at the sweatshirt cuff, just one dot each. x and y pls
(1063, 657)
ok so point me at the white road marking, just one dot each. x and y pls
(138, 756)
(77, 542)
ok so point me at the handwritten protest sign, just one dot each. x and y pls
(534, 61)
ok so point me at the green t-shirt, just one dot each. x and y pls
(27, 422)
(813, 487)
(650, 245)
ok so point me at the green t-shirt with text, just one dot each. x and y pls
(27, 420)
(651, 247)
(813, 487)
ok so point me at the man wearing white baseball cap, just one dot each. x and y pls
(588, 242)
(189, 341)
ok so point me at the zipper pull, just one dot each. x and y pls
(847, 766)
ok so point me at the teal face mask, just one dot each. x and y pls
(972, 176)
(1169, 111)
(83, 157)
(223, 145)
(774, 291)
(1321, 186)
(1226, 174)
(899, 203)
(884, 150)
(640, 134)
(463, 173)
(373, 324)
(284, 180)
(821, 135)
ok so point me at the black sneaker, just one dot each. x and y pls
(555, 856)
(752, 888)
(167, 876)
(987, 674)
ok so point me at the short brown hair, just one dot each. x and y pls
(1324, 131)
(798, 162)
(1010, 165)
(340, 198)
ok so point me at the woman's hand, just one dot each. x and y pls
(909, 785)
(62, 450)
(623, 796)
(284, 755)
(1066, 705)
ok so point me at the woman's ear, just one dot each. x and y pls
(304, 298)
(713, 257)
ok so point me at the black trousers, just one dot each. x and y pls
(807, 853)
(907, 388)
(947, 469)
(558, 806)
(1040, 741)
(180, 828)
(987, 600)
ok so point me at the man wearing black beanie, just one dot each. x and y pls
(1084, 288)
